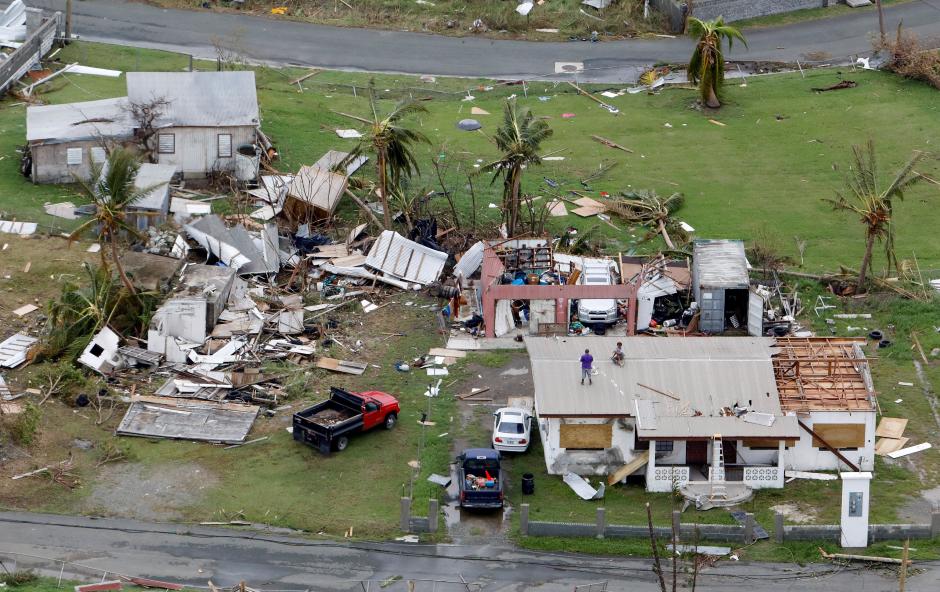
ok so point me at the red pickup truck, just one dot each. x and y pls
(327, 425)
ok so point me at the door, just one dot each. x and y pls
(696, 452)
(370, 417)
(755, 314)
(730, 450)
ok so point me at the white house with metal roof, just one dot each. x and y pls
(696, 409)
(204, 117)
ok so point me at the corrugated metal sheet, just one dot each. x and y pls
(719, 264)
(397, 256)
(675, 428)
(53, 124)
(705, 373)
(318, 187)
(198, 99)
(156, 178)
(470, 262)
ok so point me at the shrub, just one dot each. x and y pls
(20, 577)
(24, 426)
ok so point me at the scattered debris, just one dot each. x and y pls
(910, 450)
(584, 489)
(838, 86)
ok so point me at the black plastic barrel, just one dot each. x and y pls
(528, 483)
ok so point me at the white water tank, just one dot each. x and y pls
(247, 161)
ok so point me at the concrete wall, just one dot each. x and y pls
(196, 149)
(731, 10)
(50, 164)
(806, 457)
(559, 461)
(418, 524)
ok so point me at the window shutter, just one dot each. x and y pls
(225, 145)
(73, 156)
(166, 143)
(98, 154)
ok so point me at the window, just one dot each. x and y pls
(166, 143)
(96, 350)
(98, 154)
(661, 445)
(73, 156)
(510, 427)
(225, 145)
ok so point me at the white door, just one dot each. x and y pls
(755, 314)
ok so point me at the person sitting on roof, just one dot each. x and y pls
(618, 356)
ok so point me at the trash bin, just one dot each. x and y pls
(528, 484)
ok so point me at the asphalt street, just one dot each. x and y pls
(90, 549)
(286, 42)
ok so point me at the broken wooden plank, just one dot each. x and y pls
(862, 557)
(610, 143)
(910, 450)
(629, 468)
(447, 353)
(148, 583)
(305, 76)
(809, 475)
(100, 586)
(344, 366)
(831, 449)
(474, 393)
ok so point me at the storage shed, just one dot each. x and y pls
(152, 208)
(207, 116)
(65, 141)
(721, 285)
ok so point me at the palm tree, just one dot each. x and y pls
(112, 190)
(873, 205)
(649, 209)
(519, 137)
(391, 142)
(707, 65)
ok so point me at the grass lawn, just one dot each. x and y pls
(798, 16)
(782, 149)
(453, 17)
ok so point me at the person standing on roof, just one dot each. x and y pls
(587, 363)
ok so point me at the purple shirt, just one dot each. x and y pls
(586, 361)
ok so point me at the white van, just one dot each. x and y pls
(594, 311)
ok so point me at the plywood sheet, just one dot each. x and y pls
(591, 203)
(891, 427)
(840, 435)
(765, 443)
(557, 208)
(588, 211)
(585, 436)
(447, 353)
(628, 469)
(885, 446)
(341, 366)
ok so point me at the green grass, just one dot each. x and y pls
(808, 14)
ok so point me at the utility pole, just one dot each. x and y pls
(68, 21)
(902, 574)
(881, 21)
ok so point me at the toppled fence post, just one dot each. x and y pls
(405, 523)
(779, 533)
(600, 522)
(748, 528)
(433, 511)
(524, 519)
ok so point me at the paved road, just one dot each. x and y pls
(279, 41)
(193, 555)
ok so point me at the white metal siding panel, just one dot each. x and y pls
(166, 143)
(755, 314)
(197, 149)
(397, 256)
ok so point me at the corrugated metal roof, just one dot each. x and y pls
(318, 187)
(470, 261)
(156, 177)
(674, 428)
(405, 259)
(720, 264)
(198, 99)
(704, 373)
(54, 124)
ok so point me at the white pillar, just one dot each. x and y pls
(855, 505)
(781, 465)
(651, 468)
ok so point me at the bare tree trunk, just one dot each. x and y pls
(656, 564)
(362, 206)
(473, 202)
(712, 101)
(383, 185)
(662, 230)
(881, 21)
(866, 263)
(514, 188)
(117, 264)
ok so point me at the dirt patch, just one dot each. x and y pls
(133, 491)
(795, 513)
(916, 508)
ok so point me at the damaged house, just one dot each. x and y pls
(696, 411)
(202, 120)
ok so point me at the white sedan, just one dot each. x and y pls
(512, 427)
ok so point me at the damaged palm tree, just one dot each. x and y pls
(113, 191)
(519, 137)
(392, 144)
(707, 65)
(874, 205)
(648, 208)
